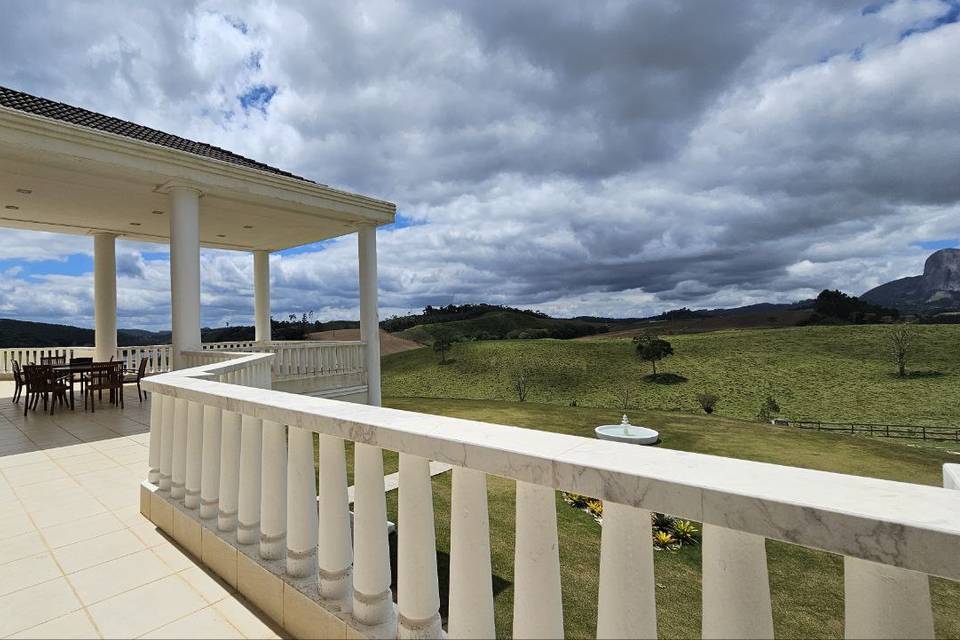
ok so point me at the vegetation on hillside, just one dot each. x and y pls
(838, 373)
(836, 307)
(500, 324)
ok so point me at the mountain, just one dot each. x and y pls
(937, 290)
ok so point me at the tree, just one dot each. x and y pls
(901, 345)
(652, 349)
(708, 401)
(520, 379)
(443, 339)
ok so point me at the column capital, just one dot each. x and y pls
(178, 185)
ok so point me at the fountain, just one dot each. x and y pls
(626, 432)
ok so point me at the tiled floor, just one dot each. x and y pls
(77, 560)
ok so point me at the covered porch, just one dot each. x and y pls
(68, 170)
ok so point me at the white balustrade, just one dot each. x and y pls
(335, 557)
(247, 454)
(471, 598)
(302, 532)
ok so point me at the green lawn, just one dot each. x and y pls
(830, 373)
(807, 586)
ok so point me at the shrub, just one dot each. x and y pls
(662, 522)
(708, 401)
(685, 531)
(664, 541)
(769, 408)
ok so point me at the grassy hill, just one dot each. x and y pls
(841, 373)
(507, 323)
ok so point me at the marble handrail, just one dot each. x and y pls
(889, 532)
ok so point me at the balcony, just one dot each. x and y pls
(204, 502)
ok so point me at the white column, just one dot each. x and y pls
(881, 601)
(261, 295)
(184, 270)
(301, 505)
(537, 603)
(418, 596)
(248, 503)
(335, 546)
(372, 598)
(627, 603)
(210, 473)
(369, 317)
(229, 471)
(471, 588)
(156, 427)
(105, 296)
(191, 494)
(273, 497)
(736, 586)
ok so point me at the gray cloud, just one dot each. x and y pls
(613, 157)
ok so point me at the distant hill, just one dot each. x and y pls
(500, 323)
(936, 290)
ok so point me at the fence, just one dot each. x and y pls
(910, 431)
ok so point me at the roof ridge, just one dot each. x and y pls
(87, 118)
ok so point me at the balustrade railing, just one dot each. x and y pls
(242, 457)
(32, 355)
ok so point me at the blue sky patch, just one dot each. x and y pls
(933, 245)
(257, 97)
(73, 265)
(949, 16)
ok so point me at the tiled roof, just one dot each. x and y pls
(92, 120)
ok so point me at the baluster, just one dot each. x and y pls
(372, 599)
(178, 481)
(191, 498)
(273, 501)
(736, 588)
(537, 604)
(301, 505)
(471, 588)
(418, 595)
(229, 471)
(336, 548)
(881, 601)
(248, 514)
(166, 443)
(210, 471)
(627, 605)
(156, 427)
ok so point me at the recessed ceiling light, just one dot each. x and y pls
(157, 212)
(12, 207)
(248, 226)
(221, 235)
(25, 191)
(134, 224)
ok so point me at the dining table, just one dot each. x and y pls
(72, 372)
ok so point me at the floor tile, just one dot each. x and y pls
(72, 625)
(31, 606)
(27, 572)
(146, 608)
(211, 588)
(89, 553)
(81, 529)
(117, 576)
(206, 623)
(246, 618)
(21, 546)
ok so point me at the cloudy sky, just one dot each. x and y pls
(609, 158)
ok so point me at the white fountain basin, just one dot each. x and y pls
(626, 432)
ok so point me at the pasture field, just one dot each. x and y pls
(831, 373)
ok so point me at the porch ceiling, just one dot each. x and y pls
(85, 181)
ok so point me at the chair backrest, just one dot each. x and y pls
(37, 375)
(81, 360)
(142, 369)
(105, 375)
(17, 372)
(52, 360)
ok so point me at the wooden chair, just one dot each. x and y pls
(53, 360)
(134, 376)
(18, 381)
(104, 376)
(40, 380)
(83, 376)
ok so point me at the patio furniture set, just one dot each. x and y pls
(54, 379)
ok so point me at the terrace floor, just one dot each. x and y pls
(76, 557)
